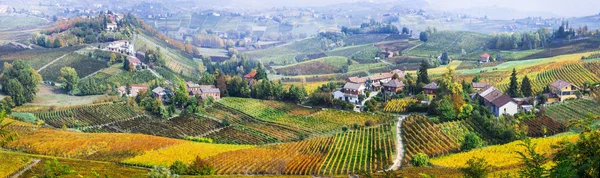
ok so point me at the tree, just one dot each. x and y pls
(477, 168)
(465, 111)
(446, 109)
(161, 172)
(422, 76)
(20, 81)
(420, 160)
(513, 89)
(445, 58)
(201, 167)
(580, 159)
(526, 87)
(532, 160)
(113, 58)
(405, 30)
(471, 141)
(261, 73)
(126, 65)
(476, 79)
(424, 36)
(53, 169)
(6, 135)
(179, 168)
(69, 77)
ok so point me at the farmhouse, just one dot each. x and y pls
(430, 89)
(560, 91)
(133, 91)
(159, 92)
(121, 46)
(374, 82)
(478, 86)
(393, 86)
(484, 58)
(135, 62)
(498, 102)
(351, 91)
(215, 93)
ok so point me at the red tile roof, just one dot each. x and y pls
(485, 55)
(134, 60)
(251, 74)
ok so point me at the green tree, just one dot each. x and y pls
(69, 77)
(126, 66)
(261, 72)
(580, 159)
(201, 167)
(465, 111)
(179, 168)
(513, 88)
(471, 141)
(420, 160)
(53, 169)
(20, 81)
(532, 160)
(446, 109)
(422, 76)
(476, 79)
(477, 168)
(424, 36)
(160, 172)
(526, 87)
(445, 58)
(113, 58)
(6, 135)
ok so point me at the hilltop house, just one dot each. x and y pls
(484, 58)
(203, 90)
(560, 91)
(215, 93)
(430, 89)
(392, 87)
(133, 91)
(159, 92)
(121, 46)
(111, 25)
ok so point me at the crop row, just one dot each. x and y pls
(87, 115)
(421, 135)
(178, 127)
(572, 110)
(544, 126)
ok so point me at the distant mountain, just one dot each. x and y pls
(502, 13)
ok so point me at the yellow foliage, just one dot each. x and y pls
(185, 152)
(501, 155)
(11, 163)
(398, 105)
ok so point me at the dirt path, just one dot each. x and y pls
(52, 62)
(21, 171)
(399, 146)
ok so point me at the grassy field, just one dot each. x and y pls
(10, 22)
(49, 96)
(37, 57)
(326, 65)
(83, 64)
(452, 41)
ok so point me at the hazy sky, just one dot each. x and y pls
(564, 8)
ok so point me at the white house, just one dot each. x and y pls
(504, 105)
(352, 91)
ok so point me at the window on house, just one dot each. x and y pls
(504, 110)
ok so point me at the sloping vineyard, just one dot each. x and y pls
(397, 105)
(572, 110)
(544, 126)
(238, 134)
(178, 127)
(349, 152)
(593, 67)
(421, 135)
(88, 115)
(574, 73)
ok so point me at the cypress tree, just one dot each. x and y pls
(513, 89)
(526, 87)
(422, 76)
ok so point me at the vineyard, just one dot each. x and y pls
(238, 134)
(501, 155)
(398, 105)
(185, 152)
(349, 152)
(101, 146)
(177, 127)
(544, 126)
(299, 117)
(574, 73)
(572, 110)
(11, 163)
(421, 135)
(83, 64)
(88, 115)
(593, 67)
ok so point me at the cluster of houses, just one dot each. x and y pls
(204, 91)
(356, 86)
(491, 97)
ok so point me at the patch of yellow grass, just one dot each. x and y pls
(10, 163)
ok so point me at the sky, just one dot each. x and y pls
(562, 8)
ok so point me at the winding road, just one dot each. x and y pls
(399, 146)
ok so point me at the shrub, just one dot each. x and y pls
(344, 128)
(355, 126)
(477, 168)
(471, 141)
(161, 172)
(178, 167)
(201, 167)
(368, 123)
(420, 160)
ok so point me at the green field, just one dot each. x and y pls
(10, 22)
